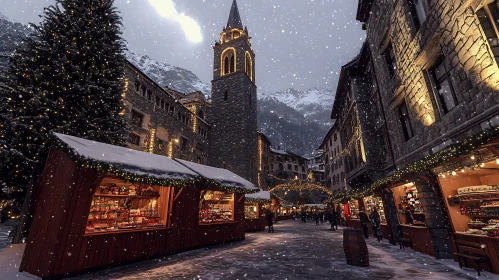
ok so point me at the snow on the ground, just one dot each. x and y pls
(294, 251)
(5, 229)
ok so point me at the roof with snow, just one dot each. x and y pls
(148, 165)
(261, 195)
(132, 161)
(315, 205)
(234, 17)
(222, 176)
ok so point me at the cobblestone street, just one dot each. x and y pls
(294, 251)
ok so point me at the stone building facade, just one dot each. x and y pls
(333, 159)
(434, 65)
(233, 114)
(287, 165)
(264, 145)
(160, 123)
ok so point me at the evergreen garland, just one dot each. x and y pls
(450, 153)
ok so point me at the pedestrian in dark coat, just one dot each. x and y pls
(3, 217)
(269, 216)
(376, 223)
(334, 220)
(364, 220)
(408, 216)
(316, 218)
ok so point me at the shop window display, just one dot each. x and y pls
(371, 202)
(251, 210)
(353, 207)
(473, 200)
(407, 198)
(119, 206)
(216, 207)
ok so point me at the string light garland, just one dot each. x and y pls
(104, 167)
(467, 146)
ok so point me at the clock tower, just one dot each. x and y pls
(233, 135)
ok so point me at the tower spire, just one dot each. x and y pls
(234, 17)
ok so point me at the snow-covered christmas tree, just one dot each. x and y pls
(67, 77)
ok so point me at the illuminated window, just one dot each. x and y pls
(248, 66)
(229, 61)
(405, 120)
(442, 85)
(488, 16)
(236, 34)
(418, 12)
(389, 56)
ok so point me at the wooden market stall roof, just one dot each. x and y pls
(261, 196)
(136, 166)
(223, 177)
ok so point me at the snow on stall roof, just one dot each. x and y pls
(315, 205)
(136, 162)
(219, 175)
(259, 195)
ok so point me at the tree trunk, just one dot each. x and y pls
(26, 217)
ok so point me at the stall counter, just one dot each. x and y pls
(420, 239)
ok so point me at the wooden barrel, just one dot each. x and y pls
(355, 247)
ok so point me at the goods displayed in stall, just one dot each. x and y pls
(481, 205)
(371, 202)
(251, 210)
(216, 207)
(115, 208)
(407, 198)
(353, 207)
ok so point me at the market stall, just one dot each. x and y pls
(408, 202)
(472, 198)
(285, 212)
(254, 211)
(97, 205)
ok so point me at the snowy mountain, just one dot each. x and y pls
(11, 34)
(306, 101)
(166, 75)
(292, 119)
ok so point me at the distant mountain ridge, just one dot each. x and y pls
(166, 75)
(292, 119)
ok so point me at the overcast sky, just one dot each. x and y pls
(298, 43)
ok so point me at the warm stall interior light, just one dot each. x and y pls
(443, 175)
(497, 161)
(462, 170)
(482, 164)
(472, 157)
(454, 173)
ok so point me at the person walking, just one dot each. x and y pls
(321, 217)
(270, 220)
(364, 220)
(316, 218)
(376, 223)
(334, 220)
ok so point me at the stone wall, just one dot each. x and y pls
(161, 131)
(233, 137)
(453, 29)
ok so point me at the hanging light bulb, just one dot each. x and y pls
(472, 157)
(462, 170)
(497, 161)
(443, 175)
(482, 164)
(454, 173)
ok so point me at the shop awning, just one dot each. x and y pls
(261, 196)
(223, 177)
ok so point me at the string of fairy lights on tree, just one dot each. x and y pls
(465, 147)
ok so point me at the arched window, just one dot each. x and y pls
(226, 96)
(236, 34)
(248, 65)
(226, 65)
(223, 38)
(228, 61)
